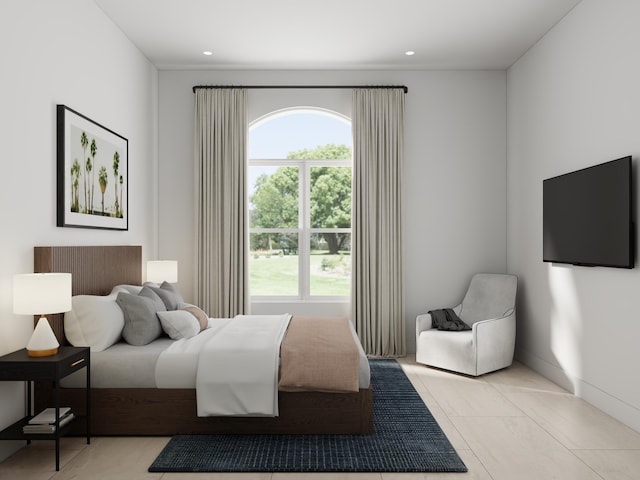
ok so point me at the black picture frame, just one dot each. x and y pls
(92, 173)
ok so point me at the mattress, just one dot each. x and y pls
(121, 366)
(164, 363)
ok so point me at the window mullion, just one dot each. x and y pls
(305, 220)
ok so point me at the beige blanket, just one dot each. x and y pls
(320, 354)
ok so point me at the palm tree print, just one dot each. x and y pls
(94, 150)
(87, 168)
(116, 165)
(84, 141)
(120, 213)
(94, 162)
(102, 180)
(75, 174)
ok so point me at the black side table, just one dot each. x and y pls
(18, 366)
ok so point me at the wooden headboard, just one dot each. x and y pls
(94, 270)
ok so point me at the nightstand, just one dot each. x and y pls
(18, 366)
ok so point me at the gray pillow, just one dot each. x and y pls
(141, 323)
(179, 324)
(169, 295)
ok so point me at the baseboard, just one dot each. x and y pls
(618, 409)
(9, 447)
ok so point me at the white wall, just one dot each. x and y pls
(573, 101)
(65, 52)
(455, 172)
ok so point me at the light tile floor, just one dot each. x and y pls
(508, 425)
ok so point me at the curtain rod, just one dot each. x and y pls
(403, 87)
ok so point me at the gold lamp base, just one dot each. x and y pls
(42, 353)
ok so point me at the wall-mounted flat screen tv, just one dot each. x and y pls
(587, 216)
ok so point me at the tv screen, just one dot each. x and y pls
(587, 216)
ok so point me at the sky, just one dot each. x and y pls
(279, 135)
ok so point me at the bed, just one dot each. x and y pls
(168, 411)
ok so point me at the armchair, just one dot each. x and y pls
(489, 308)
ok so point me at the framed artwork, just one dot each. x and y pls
(92, 173)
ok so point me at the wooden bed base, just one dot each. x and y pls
(142, 411)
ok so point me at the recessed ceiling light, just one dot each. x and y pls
(410, 52)
(207, 53)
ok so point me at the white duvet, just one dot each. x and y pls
(237, 365)
(177, 366)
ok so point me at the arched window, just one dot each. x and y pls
(299, 177)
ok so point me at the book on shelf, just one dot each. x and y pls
(45, 421)
(48, 415)
(47, 427)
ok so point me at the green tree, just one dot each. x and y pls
(330, 198)
(275, 204)
(88, 166)
(119, 214)
(116, 165)
(94, 150)
(102, 180)
(330, 203)
(330, 192)
(75, 174)
(84, 141)
(275, 200)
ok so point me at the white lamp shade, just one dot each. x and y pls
(41, 293)
(159, 271)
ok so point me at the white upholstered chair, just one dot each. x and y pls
(489, 308)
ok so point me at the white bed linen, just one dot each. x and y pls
(122, 366)
(164, 363)
(238, 367)
(178, 364)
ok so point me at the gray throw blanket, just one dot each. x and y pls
(446, 319)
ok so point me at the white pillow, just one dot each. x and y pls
(132, 289)
(179, 324)
(94, 321)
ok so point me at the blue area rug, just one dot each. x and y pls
(406, 438)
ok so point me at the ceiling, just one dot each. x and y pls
(334, 34)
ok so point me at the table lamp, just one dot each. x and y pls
(159, 271)
(41, 294)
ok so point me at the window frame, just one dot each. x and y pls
(304, 230)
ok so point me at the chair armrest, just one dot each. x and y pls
(423, 322)
(509, 314)
(495, 340)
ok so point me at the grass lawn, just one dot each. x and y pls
(277, 275)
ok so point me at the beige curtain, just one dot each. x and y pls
(220, 155)
(377, 303)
